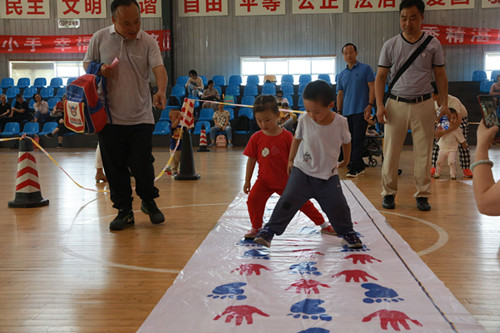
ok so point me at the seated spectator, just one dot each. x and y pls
(288, 120)
(5, 111)
(210, 94)
(20, 111)
(221, 121)
(280, 99)
(486, 191)
(194, 84)
(41, 109)
(58, 111)
(60, 130)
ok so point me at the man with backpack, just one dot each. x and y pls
(127, 55)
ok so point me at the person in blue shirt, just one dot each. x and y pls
(355, 99)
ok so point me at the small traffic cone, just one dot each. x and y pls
(187, 171)
(203, 140)
(28, 193)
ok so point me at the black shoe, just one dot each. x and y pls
(388, 202)
(423, 204)
(155, 215)
(124, 219)
(264, 237)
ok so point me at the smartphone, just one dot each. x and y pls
(489, 109)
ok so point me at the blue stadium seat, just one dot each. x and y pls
(219, 89)
(494, 75)
(48, 127)
(23, 82)
(179, 91)
(300, 102)
(247, 100)
(287, 78)
(268, 89)
(56, 82)
(253, 80)
(11, 129)
(289, 99)
(162, 128)
(71, 79)
(30, 129)
(182, 80)
(52, 102)
(287, 88)
(219, 80)
(6, 83)
(204, 80)
(250, 90)
(47, 92)
(325, 77)
(206, 115)
(164, 115)
(231, 113)
(304, 79)
(12, 92)
(30, 103)
(248, 113)
(301, 88)
(233, 90)
(40, 82)
(199, 124)
(235, 80)
(29, 92)
(485, 86)
(479, 76)
(60, 92)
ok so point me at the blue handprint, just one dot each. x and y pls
(230, 290)
(308, 231)
(377, 293)
(315, 330)
(305, 268)
(247, 242)
(257, 254)
(309, 308)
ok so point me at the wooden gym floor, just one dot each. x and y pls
(62, 270)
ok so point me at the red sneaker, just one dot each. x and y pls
(433, 171)
(328, 231)
(467, 173)
(251, 233)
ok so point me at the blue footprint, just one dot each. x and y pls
(247, 243)
(305, 268)
(315, 330)
(257, 254)
(309, 309)
(378, 294)
(230, 290)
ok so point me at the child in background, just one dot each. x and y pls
(176, 131)
(313, 168)
(495, 90)
(448, 144)
(270, 148)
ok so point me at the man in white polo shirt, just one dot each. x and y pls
(126, 141)
(410, 105)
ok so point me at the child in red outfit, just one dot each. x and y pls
(270, 148)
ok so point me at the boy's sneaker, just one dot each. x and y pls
(467, 173)
(264, 237)
(436, 175)
(251, 233)
(125, 218)
(150, 208)
(433, 171)
(388, 202)
(328, 231)
(352, 240)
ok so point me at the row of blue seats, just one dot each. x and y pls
(236, 80)
(13, 129)
(39, 82)
(480, 76)
(29, 92)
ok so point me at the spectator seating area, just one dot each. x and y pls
(485, 82)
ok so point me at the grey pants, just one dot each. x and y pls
(299, 189)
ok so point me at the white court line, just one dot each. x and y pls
(442, 234)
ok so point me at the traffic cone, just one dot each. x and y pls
(203, 140)
(28, 193)
(187, 171)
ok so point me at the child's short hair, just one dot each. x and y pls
(265, 102)
(318, 91)
(453, 111)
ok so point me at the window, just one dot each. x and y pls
(295, 66)
(46, 69)
(491, 63)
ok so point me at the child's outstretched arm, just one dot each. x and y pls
(346, 150)
(248, 174)
(293, 152)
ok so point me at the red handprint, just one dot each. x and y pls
(248, 269)
(307, 286)
(391, 317)
(355, 274)
(240, 312)
(362, 258)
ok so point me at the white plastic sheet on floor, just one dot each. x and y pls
(307, 282)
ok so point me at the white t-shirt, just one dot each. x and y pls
(319, 150)
(450, 141)
(454, 103)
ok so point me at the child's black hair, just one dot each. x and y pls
(265, 102)
(318, 91)
(453, 111)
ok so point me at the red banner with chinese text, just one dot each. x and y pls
(65, 44)
(449, 35)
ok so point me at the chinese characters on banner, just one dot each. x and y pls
(259, 7)
(490, 4)
(81, 8)
(462, 36)
(65, 44)
(24, 9)
(188, 8)
(358, 6)
(317, 6)
(449, 4)
(150, 8)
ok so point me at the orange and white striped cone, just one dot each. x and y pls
(28, 193)
(203, 140)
